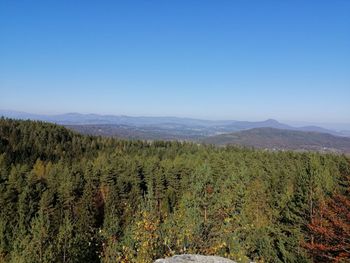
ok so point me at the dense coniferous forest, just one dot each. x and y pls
(66, 197)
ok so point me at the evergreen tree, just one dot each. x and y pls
(66, 197)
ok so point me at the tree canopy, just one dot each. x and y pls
(66, 197)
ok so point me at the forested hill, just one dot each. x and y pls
(66, 197)
(271, 138)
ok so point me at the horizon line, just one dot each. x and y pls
(175, 116)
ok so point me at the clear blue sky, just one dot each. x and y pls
(245, 60)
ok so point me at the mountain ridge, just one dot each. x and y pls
(204, 127)
(243, 133)
(279, 139)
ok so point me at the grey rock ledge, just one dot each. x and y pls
(189, 258)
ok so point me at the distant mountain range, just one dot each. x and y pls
(203, 127)
(262, 134)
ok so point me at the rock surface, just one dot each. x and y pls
(188, 258)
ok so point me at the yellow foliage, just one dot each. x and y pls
(145, 233)
(39, 169)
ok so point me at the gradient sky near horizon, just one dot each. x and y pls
(245, 60)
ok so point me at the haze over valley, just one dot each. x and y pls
(268, 134)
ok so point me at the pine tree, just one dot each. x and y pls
(65, 240)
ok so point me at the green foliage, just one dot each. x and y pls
(65, 197)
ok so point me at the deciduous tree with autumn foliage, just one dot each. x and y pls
(330, 229)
